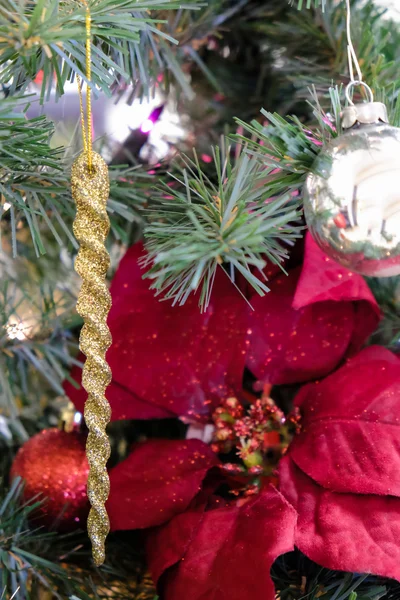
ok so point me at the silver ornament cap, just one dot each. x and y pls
(364, 114)
(352, 195)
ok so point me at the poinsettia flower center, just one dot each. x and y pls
(255, 436)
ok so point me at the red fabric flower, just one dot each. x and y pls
(157, 481)
(309, 321)
(342, 472)
(170, 360)
(225, 552)
(174, 361)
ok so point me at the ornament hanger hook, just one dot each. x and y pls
(362, 84)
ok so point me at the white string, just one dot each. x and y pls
(351, 53)
(353, 62)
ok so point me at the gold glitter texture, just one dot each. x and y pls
(90, 190)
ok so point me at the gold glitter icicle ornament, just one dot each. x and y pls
(90, 190)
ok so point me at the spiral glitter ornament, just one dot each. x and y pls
(90, 190)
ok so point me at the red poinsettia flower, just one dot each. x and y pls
(341, 475)
(310, 320)
(174, 361)
(342, 472)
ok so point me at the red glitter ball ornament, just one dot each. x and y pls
(54, 467)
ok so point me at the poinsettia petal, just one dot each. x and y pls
(350, 438)
(310, 321)
(330, 281)
(157, 481)
(230, 550)
(167, 544)
(348, 532)
(289, 345)
(172, 357)
(322, 280)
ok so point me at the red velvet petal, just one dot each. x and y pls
(309, 321)
(172, 357)
(230, 552)
(167, 544)
(350, 438)
(347, 532)
(322, 279)
(157, 481)
(289, 345)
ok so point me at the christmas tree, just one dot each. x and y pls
(253, 375)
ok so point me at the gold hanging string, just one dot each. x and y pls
(90, 189)
(83, 124)
(87, 128)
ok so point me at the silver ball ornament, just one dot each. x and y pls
(352, 196)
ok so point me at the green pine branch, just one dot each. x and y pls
(387, 294)
(188, 238)
(291, 146)
(227, 219)
(308, 3)
(36, 347)
(296, 577)
(324, 58)
(24, 552)
(35, 187)
(128, 45)
(35, 562)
